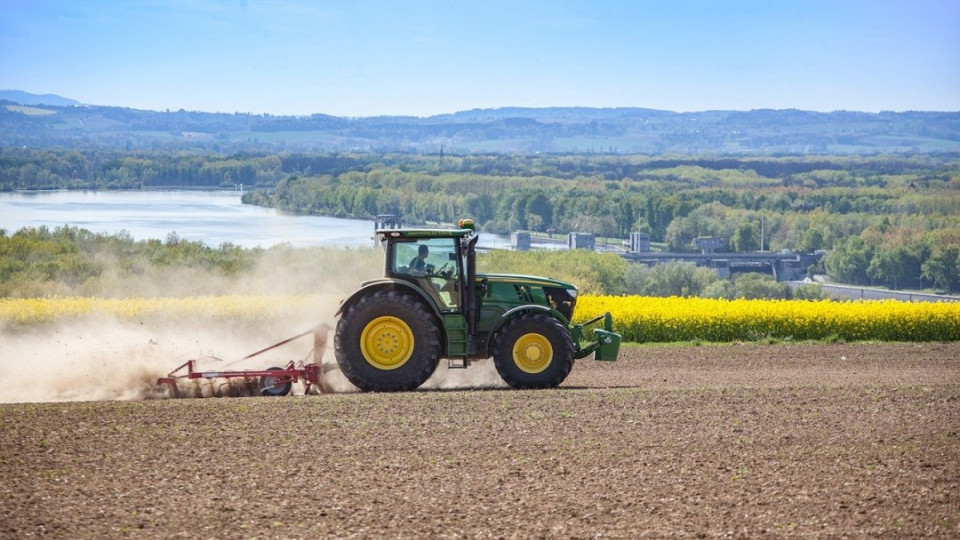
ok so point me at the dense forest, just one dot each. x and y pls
(885, 221)
(891, 220)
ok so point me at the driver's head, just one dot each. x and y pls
(424, 250)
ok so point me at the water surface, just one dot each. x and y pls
(212, 217)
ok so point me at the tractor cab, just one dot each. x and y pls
(434, 264)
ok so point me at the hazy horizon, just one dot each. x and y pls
(476, 109)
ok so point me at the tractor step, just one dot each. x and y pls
(458, 363)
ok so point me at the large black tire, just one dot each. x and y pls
(387, 342)
(533, 351)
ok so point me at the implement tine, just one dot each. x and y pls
(275, 345)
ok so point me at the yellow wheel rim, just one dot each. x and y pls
(387, 343)
(532, 353)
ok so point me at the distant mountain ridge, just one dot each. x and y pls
(26, 98)
(627, 130)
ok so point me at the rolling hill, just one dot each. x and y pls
(54, 121)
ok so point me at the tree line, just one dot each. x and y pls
(94, 168)
(73, 261)
(70, 261)
(31, 168)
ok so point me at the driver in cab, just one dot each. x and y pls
(418, 265)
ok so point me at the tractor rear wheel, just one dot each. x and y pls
(387, 342)
(533, 351)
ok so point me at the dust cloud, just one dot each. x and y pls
(101, 357)
(114, 360)
(481, 374)
(104, 358)
(94, 360)
(280, 270)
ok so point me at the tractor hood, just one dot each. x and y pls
(520, 279)
(518, 290)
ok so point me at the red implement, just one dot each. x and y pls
(274, 381)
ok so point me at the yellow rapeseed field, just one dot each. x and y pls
(639, 319)
(644, 319)
(27, 311)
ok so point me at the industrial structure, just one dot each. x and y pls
(784, 265)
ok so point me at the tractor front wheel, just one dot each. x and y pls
(533, 351)
(387, 342)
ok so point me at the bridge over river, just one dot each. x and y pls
(784, 266)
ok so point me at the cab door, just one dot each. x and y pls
(434, 265)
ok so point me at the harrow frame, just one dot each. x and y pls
(271, 379)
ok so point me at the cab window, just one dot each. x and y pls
(432, 262)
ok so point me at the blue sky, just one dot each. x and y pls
(366, 58)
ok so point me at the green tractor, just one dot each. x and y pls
(432, 304)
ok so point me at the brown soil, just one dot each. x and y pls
(791, 440)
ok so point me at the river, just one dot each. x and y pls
(211, 217)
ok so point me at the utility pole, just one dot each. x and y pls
(763, 222)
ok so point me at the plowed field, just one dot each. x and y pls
(846, 440)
